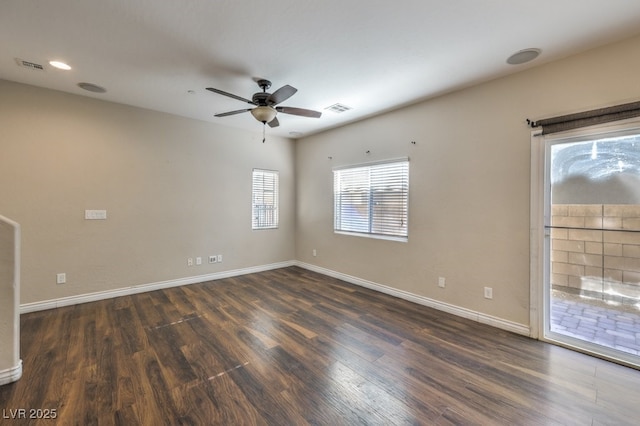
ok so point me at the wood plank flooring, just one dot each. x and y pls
(293, 347)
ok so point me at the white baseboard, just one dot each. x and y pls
(425, 301)
(11, 375)
(142, 288)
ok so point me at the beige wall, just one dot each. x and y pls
(173, 188)
(469, 181)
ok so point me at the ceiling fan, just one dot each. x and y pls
(266, 108)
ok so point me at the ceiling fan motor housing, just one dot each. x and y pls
(260, 98)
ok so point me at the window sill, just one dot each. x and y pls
(374, 236)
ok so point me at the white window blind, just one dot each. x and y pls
(264, 199)
(372, 199)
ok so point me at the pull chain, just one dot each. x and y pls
(263, 133)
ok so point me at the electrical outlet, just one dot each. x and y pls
(61, 278)
(488, 293)
(441, 282)
(213, 259)
(198, 260)
(315, 253)
(190, 261)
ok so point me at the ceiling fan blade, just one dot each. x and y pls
(231, 95)
(274, 122)
(299, 111)
(281, 95)
(240, 111)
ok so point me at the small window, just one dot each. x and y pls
(265, 199)
(372, 200)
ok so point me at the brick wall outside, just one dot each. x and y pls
(594, 250)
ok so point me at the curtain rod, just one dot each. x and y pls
(586, 118)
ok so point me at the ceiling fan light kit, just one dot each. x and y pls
(265, 110)
(264, 114)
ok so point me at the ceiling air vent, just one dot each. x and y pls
(338, 108)
(29, 65)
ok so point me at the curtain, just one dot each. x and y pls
(587, 118)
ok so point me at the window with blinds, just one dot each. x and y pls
(264, 203)
(372, 200)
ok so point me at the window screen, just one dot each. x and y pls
(372, 199)
(264, 199)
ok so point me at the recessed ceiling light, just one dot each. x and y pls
(92, 87)
(523, 56)
(60, 65)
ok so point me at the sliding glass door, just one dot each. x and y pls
(592, 243)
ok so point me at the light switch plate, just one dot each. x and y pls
(95, 214)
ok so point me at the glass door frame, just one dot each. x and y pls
(540, 237)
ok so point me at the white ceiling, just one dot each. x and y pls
(371, 55)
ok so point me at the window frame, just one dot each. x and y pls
(373, 219)
(259, 211)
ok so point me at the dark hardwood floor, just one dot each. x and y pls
(292, 347)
